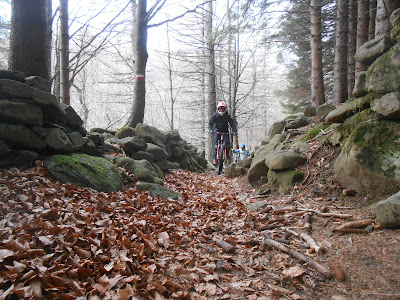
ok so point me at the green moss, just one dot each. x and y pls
(395, 32)
(85, 170)
(351, 123)
(284, 181)
(377, 144)
(314, 131)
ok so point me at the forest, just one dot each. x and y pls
(106, 180)
(252, 51)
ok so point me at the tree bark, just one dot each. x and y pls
(317, 82)
(64, 52)
(340, 74)
(362, 30)
(384, 9)
(212, 94)
(29, 38)
(372, 18)
(141, 55)
(351, 77)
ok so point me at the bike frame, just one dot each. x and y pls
(221, 151)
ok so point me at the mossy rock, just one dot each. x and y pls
(351, 123)
(284, 181)
(86, 171)
(125, 131)
(370, 159)
(155, 189)
(142, 169)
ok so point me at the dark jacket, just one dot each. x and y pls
(221, 122)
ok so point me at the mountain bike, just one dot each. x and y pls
(221, 151)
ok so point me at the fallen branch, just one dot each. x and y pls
(332, 214)
(224, 245)
(324, 271)
(350, 230)
(310, 241)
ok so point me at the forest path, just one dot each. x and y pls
(62, 241)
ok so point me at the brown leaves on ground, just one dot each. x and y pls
(64, 242)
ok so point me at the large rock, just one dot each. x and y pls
(340, 114)
(151, 135)
(370, 159)
(86, 171)
(4, 148)
(72, 119)
(125, 131)
(20, 137)
(371, 50)
(159, 190)
(309, 111)
(383, 76)
(324, 109)
(388, 211)
(284, 159)
(12, 75)
(15, 112)
(258, 168)
(234, 170)
(388, 106)
(38, 83)
(18, 158)
(284, 181)
(360, 88)
(58, 141)
(297, 122)
(10, 89)
(276, 128)
(157, 152)
(132, 144)
(142, 169)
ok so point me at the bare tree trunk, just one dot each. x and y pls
(352, 47)
(141, 55)
(212, 94)
(383, 11)
(372, 18)
(317, 82)
(64, 52)
(362, 30)
(49, 38)
(171, 88)
(29, 38)
(340, 74)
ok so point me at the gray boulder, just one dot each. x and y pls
(360, 88)
(20, 137)
(310, 111)
(77, 140)
(276, 128)
(234, 170)
(17, 112)
(388, 106)
(284, 181)
(257, 205)
(125, 131)
(325, 109)
(58, 141)
(298, 122)
(370, 159)
(12, 75)
(383, 76)
(155, 189)
(52, 109)
(143, 155)
(72, 119)
(372, 49)
(151, 135)
(157, 152)
(388, 211)
(142, 169)
(86, 171)
(19, 158)
(4, 148)
(166, 165)
(284, 159)
(38, 83)
(132, 144)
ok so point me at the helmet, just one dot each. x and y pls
(221, 108)
(242, 146)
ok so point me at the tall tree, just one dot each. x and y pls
(340, 74)
(29, 44)
(362, 30)
(352, 42)
(64, 52)
(372, 18)
(317, 79)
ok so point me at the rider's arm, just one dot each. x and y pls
(211, 122)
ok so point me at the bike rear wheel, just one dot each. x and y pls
(220, 159)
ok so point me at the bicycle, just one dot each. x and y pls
(221, 151)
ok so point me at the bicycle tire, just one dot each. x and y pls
(220, 159)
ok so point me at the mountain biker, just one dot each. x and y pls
(221, 120)
(242, 151)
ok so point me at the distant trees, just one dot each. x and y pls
(30, 44)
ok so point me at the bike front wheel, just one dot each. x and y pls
(220, 159)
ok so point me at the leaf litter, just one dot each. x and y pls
(60, 241)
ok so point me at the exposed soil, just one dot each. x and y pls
(370, 261)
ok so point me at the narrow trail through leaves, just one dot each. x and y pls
(60, 241)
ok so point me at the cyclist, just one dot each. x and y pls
(242, 151)
(221, 120)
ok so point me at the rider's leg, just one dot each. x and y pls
(228, 145)
(215, 149)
